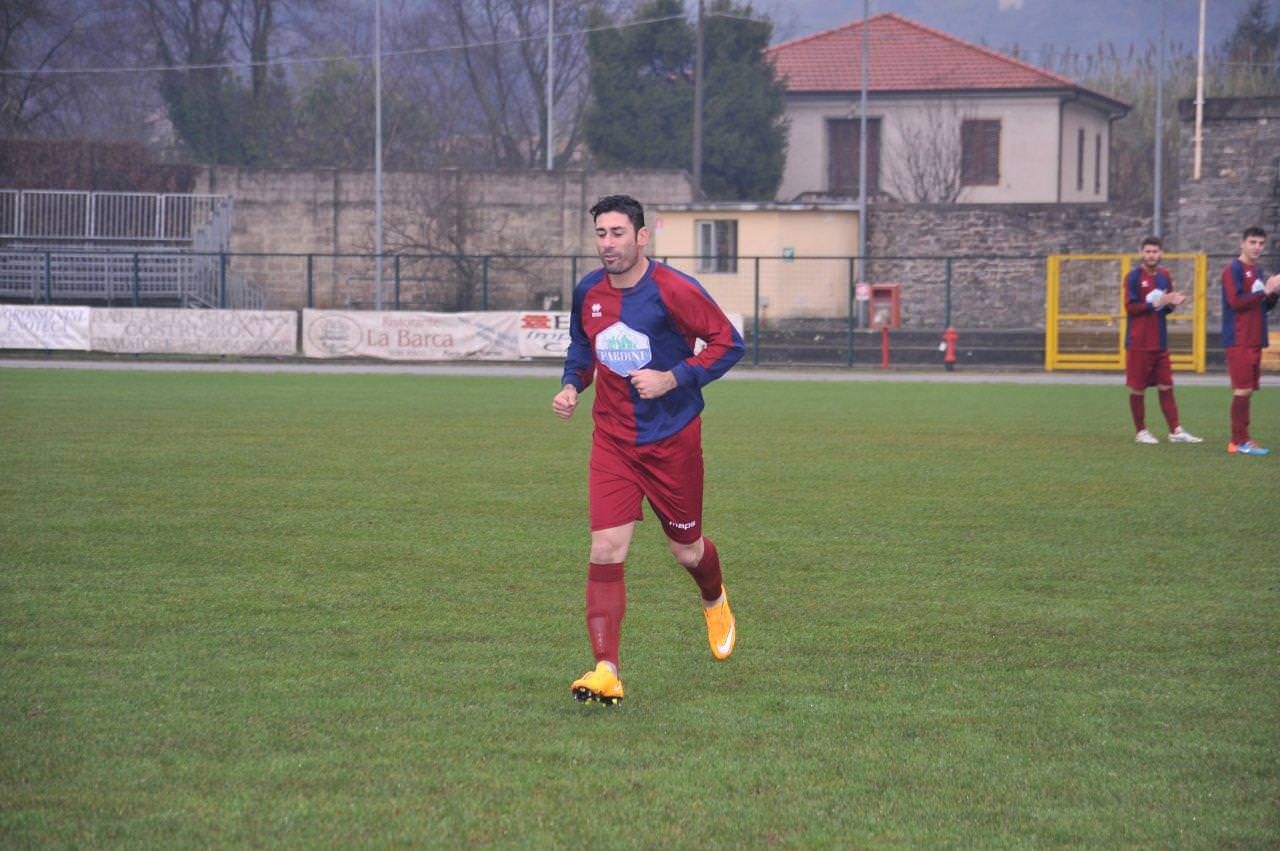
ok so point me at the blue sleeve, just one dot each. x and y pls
(579, 362)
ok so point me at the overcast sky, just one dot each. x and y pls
(1034, 25)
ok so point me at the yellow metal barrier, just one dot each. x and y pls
(1056, 356)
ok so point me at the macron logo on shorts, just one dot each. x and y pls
(622, 349)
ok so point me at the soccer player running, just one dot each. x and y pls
(1148, 299)
(632, 330)
(1246, 300)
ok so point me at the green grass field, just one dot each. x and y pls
(344, 610)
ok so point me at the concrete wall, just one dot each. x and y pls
(998, 276)
(1032, 130)
(330, 213)
(1239, 184)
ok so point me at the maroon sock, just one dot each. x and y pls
(1138, 407)
(707, 573)
(1170, 408)
(606, 604)
(1239, 419)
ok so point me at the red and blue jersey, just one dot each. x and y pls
(1244, 312)
(1146, 329)
(652, 325)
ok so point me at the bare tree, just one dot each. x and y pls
(925, 167)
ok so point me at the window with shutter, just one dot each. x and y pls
(842, 156)
(979, 152)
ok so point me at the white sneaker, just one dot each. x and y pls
(1180, 436)
(1145, 436)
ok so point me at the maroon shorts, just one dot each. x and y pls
(1244, 365)
(668, 473)
(1145, 368)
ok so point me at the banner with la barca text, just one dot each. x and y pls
(408, 335)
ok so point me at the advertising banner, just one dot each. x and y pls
(140, 330)
(545, 334)
(405, 335)
(38, 326)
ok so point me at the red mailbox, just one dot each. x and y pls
(886, 306)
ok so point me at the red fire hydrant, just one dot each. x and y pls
(948, 348)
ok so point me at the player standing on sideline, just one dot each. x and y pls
(1148, 299)
(1245, 303)
(632, 328)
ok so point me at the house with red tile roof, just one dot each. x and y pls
(948, 121)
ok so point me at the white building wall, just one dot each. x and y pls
(1078, 183)
(1030, 133)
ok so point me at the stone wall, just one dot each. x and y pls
(1239, 181)
(999, 255)
(330, 215)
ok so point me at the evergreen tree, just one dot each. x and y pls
(641, 112)
(1256, 38)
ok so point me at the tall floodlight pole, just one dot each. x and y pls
(862, 152)
(1199, 141)
(377, 152)
(697, 106)
(1159, 134)
(551, 18)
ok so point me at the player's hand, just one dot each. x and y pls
(1273, 284)
(652, 383)
(1177, 298)
(565, 402)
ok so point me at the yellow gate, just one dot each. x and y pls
(1085, 318)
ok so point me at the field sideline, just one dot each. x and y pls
(331, 609)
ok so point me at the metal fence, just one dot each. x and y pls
(122, 217)
(795, 309)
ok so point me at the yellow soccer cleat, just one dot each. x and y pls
(599, 686)
(722, 631)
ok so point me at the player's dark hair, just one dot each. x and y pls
(1253, 231)
(1152, 240)
(624, 204)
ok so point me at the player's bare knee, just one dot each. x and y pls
(608, 552)
(687, 555)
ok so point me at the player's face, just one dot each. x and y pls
(1251, 248)
(1151, 255)
(618, 242)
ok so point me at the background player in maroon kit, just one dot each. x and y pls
(1148, 299)
(632, 331)
(1246, 300)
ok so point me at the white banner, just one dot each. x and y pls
(138, 330)
(37, 326)
(545, 334)
(405, 335)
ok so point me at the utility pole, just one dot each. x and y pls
(1159, 134)
(551, 18)
(697, 107)
(377, 152)
(1199, 140)
(862, 152)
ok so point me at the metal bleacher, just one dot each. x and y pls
(119, 248)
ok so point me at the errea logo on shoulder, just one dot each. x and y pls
(622, 348)
(596, 310)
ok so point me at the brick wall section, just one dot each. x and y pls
(988, 292)
(331, 213)
(1240, 174)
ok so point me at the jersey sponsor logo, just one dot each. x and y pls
(622, 348)
(596, 310)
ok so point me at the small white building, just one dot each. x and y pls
(948, 121)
